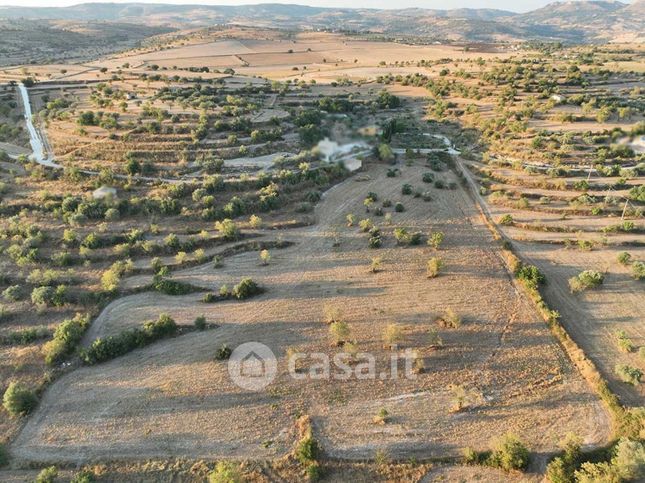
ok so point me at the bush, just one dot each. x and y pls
(225, 472)
(450, 319)
(561, 468)
(172, 287)
(18, 400)
(223, 353)
(428, 177)
(530, 275)
(112, 276)
(200, 322)
(104, 349)
(47, 296)
(375, 241)
(339, 332)
(628, 374)
(625, 344)
(627, 464)
(638, 270)
(245, 289)
(433, 267)
(585, 280)
(435, 239)
(84, 476)
(382, 417)
(399, 208)
(392, 335)
(624, 258)
(406, 189)
(47, 475)
(509, 454)
(365, 225)
(66, 337)
(228, 229)
(12, 293)
(307, 450)
(506, 220)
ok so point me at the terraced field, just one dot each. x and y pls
(174, 399)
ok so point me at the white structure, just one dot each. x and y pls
(104, 192)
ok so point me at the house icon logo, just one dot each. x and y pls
(252, 366)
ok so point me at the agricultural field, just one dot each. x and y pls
(470, 217)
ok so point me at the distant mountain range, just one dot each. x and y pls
(573, 21)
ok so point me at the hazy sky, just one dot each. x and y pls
(513, 5)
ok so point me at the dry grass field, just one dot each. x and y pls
(174, 399)
(212, 124)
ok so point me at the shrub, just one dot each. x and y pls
(209, 298)
(530, 275)
(450, 319)
(627, 464)
(428, 177)
(399, 208)
(200, 322)
(506, 220)
(265, 257)
(4, 456)
(509, 454)
(112, 276)
(406, 189)
(585, 280)
(629, 459)
(624, 258)
(638, 270)
(104, 349)
(365, 225)
(223, 353)
(66, 337)
(351, 219)
(392, 335)
(382, 417)
(339, 332)
(255, 222)
(375, 266)
(225, 472)
(172, 287)
(561, 468)
(84, 476)
(307, 450)
(47, 475)
(434, 266)
(228, 229)
(628, 374)
(625, 344)
(12, 293)
(48, 296)
(245, 289)
(18, 400)
(375, 241)
(435, 239)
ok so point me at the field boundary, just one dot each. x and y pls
(625, 422)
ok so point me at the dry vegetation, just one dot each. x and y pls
(226, 220)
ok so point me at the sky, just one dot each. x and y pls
(512, 5)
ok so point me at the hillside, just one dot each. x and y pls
(580, 21)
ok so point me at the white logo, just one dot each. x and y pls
(252, 366)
